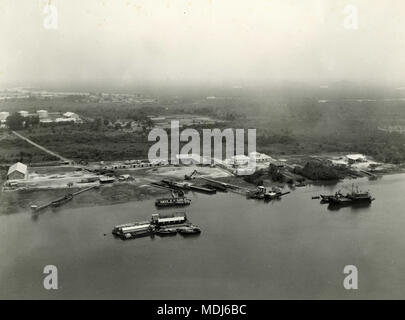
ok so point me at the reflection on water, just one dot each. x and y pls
(292, 248)
(354, 206)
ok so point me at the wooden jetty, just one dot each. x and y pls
(62, 200)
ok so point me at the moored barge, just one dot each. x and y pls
(61, 201)
(133, 230)
(172, 202)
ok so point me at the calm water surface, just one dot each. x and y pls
(293, 248)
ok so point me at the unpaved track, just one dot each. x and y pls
(41, 147)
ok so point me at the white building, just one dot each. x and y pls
(23, 113)
(71, 115)
(64, 120)
(42, 114)
(18, 171)
(4, 115)
(356, 157)
(240, 160)
(244, 171)
(260, 157)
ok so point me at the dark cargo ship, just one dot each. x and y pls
(353, 198)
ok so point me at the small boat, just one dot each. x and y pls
(271, 195)
(257, 193)
(189, 230)
(166, 231)
(61, 201)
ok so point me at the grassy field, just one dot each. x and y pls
(13, 149)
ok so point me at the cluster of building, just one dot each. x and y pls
(132, 164)
(44, 117)
(237, 164)
(350, 159)
(184, 120)
(126, 125)
(102, 97)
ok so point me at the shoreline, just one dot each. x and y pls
(124, 192)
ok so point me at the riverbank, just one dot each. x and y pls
(47, 183)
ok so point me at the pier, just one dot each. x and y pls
(61, 199)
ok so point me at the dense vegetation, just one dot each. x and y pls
(285, 122)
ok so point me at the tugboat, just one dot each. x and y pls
(257, 193)
(171, 202)
(275, 193)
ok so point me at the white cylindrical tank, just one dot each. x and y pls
(4, 115)
(42, 114)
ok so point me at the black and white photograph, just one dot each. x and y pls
(174, 150)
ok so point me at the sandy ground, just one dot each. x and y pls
(65, 177)
(180, 172)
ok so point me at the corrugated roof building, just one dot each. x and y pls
(18, 171)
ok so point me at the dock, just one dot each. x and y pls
(203, 189)
(44, 206)
(186, 186)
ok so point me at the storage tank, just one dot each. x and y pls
(4, 115)
(42, 114)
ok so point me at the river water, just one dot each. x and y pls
(248, 249)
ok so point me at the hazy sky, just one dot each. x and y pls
(235, 42)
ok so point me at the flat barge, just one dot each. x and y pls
(172, 202)
(61, 201)
(133, 230)
(160, 224)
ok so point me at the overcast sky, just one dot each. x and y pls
(121, 42)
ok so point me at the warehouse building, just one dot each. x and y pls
(18, 171)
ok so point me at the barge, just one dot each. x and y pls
(172, 202)
(61, 201)
(133, 230)
(162, 225)
(161, 220)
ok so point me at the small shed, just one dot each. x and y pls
(352, 158)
